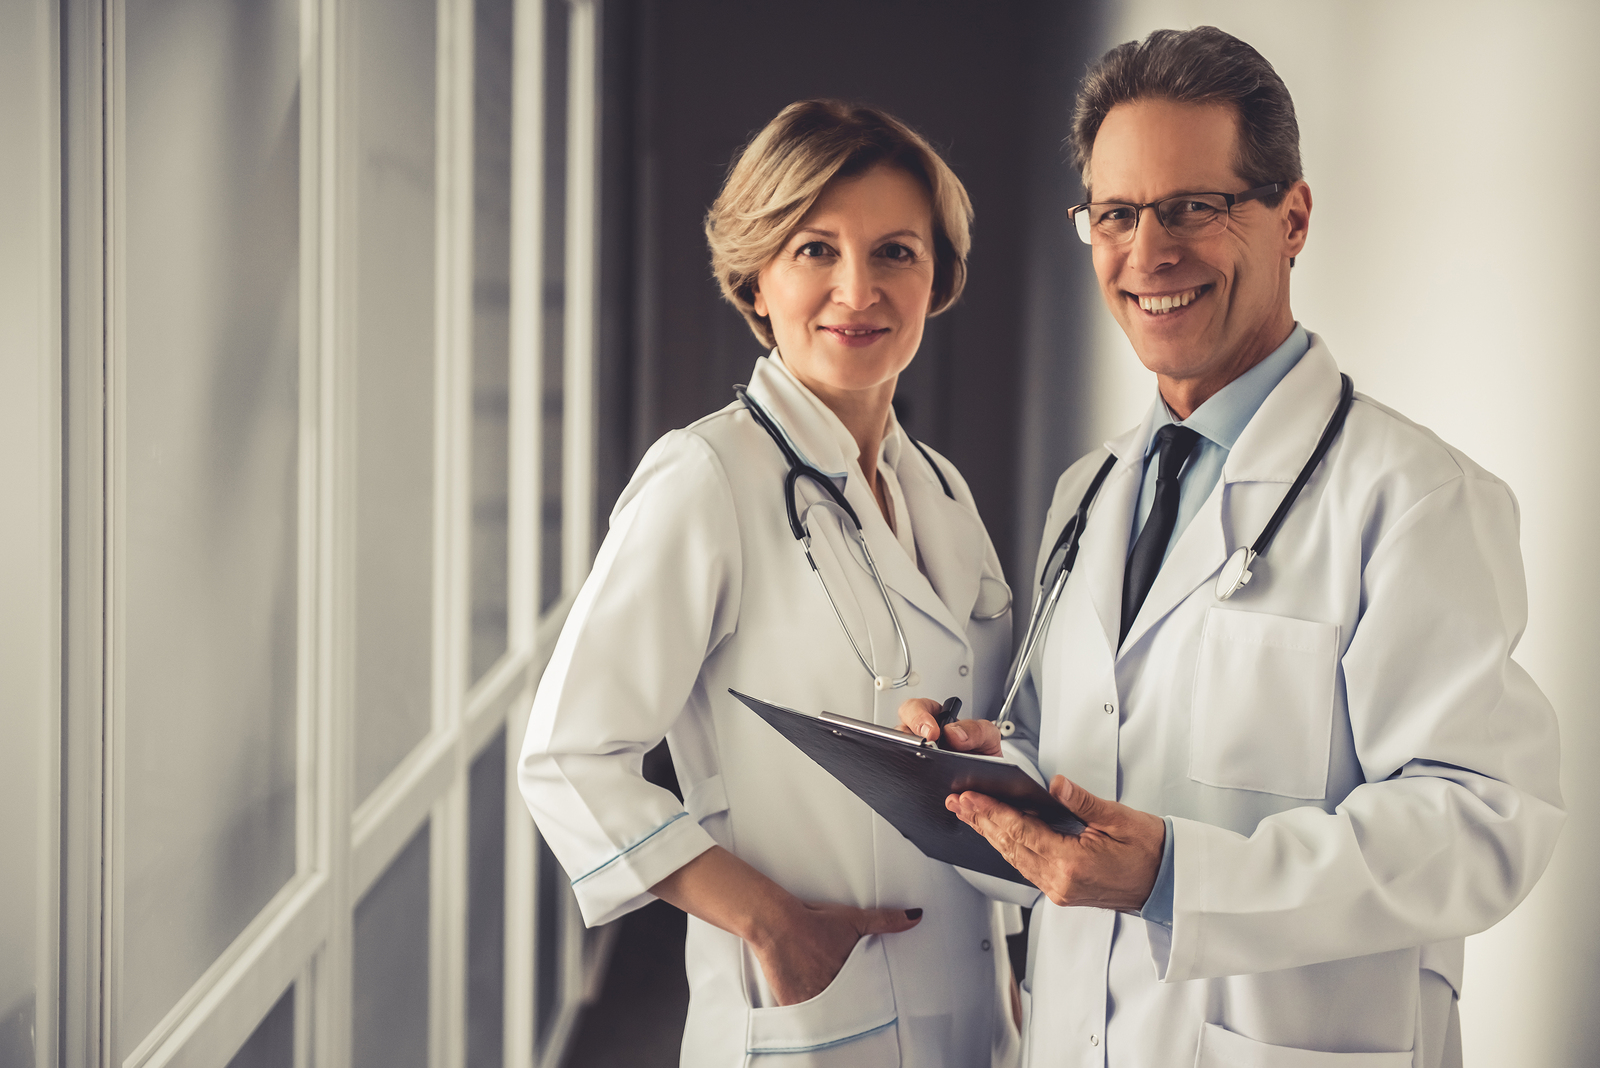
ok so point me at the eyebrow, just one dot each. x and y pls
(834, 233)
(1124, 200)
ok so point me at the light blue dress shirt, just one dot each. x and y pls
(1219, 422)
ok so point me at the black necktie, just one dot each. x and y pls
(1176, 443)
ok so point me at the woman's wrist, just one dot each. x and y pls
(724, 891)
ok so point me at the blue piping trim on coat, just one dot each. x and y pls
(827, 1045)
(631, 848)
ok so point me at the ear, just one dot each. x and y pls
(1296, 218)
(758, 301)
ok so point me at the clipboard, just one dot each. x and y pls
(906, 779)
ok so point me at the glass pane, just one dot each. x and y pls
(486, 906)
(272, 1043)
(554, 291)
(394, 46)
(491, 331)
(551, 887)
(208, 582)
(389, 1013)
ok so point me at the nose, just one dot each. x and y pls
(1151, 248)
(853, 284)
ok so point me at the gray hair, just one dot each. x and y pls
(1199, 66)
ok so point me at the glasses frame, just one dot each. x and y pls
(1231, 199)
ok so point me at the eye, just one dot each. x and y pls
(897, 252)
(1192, 208)
(813, 250)
(1111, 213)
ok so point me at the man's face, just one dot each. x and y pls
(1236, 282)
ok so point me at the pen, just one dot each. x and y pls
(946, 716)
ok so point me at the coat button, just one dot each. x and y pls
(963, 670)
(1110, 709)
(1094, 1040)
(986, 945)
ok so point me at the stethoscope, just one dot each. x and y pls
(799, 469)
(1233, 577)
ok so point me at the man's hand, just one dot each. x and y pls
(802, 954)
(917, 716)
(1111, 865)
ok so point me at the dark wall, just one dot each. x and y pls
(689, 83)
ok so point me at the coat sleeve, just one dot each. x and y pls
(663, 593)
(1461, 806)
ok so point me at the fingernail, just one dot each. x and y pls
(913, 914)
(957, 729)
(927, 732)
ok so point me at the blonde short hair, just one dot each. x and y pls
(780, 174)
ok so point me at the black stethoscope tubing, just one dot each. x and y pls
(1235, 573)
(799, 469)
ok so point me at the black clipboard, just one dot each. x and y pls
(906, 779)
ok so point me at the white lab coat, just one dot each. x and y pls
(699, 587)
(1359, 773)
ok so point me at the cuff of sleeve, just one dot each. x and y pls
(1158, 906)
(623, 883)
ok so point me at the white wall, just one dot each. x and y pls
(29, 534)
(1453, 152)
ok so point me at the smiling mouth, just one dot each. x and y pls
(856, 331)
(1171, 302)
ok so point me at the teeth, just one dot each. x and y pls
(853, 333)
(1161, 305)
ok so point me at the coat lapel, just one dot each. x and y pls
(1103, 548)
(950, 539)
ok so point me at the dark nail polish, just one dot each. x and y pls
(912, 914)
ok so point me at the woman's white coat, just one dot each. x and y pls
(699, 587)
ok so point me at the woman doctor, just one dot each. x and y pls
(817, 934)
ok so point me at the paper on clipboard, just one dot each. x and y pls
(906, 779)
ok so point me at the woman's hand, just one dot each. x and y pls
(803, 952)
(800, 945)
(917, 716)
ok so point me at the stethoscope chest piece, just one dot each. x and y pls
(1235, 573)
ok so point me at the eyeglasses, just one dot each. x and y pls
(1185, 217)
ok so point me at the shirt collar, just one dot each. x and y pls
(816, 434)
(1225, 414)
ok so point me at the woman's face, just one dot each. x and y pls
(848, 293)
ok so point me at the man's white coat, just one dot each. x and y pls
(1359, 773)
(700, 586)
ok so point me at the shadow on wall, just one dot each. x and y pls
(16, 1033)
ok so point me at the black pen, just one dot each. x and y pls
(947, 715)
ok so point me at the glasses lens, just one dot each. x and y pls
(1196, 215)
(1111, 224)
(1080, 219)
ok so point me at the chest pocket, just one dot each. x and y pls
(1262, 715)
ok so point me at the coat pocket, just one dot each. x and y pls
(852, 1022)
(1262, 717)
(1221, 1048)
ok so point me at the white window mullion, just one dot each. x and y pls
(580, 403)
(453, 533)
(332, 972)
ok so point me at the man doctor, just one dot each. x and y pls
(1303, 797)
